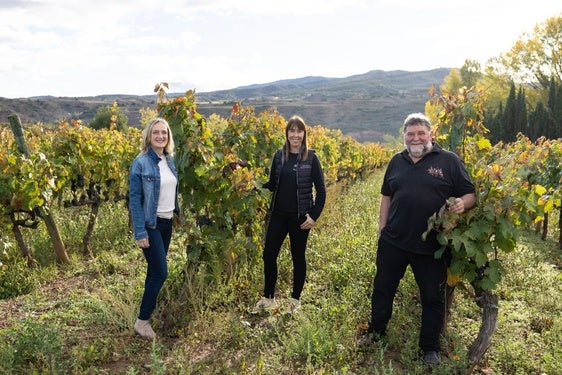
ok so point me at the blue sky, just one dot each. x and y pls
(94, 47)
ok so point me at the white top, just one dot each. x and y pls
(168, 182)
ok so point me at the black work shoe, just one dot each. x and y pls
(431, 357)
(369, 338)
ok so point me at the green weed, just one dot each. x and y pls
(15, 277)
(86, 310)
(33, 346)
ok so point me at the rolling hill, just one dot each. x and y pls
(365, 106)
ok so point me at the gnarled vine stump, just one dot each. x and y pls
(488, 302)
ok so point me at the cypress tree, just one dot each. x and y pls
(521, 124)
(557, 114)
(509, 118)
(550, 128)
(538, 120)
(493, 121)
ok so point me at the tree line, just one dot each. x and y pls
(522, 88)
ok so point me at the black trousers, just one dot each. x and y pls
(277, 230)
(430, 275)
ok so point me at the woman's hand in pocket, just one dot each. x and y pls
(308, 223)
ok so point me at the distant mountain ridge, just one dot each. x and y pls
(361, 86)
(365, 106)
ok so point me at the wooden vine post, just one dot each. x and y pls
(47, 217)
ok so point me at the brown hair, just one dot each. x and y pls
(296, 122)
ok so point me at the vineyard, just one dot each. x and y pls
(69, 165)
(52, 171)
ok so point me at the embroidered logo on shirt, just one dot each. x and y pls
(437, 172)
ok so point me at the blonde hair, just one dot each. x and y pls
(145, 144)
(296, 122)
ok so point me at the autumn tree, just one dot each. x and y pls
(535, 58)
(147, 115)
(471, 73)
(110, 117)
(452, 82)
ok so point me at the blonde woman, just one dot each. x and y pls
(153, 200)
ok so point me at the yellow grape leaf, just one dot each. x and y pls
(541, 201)
(523, 157)
(539, 189)
(484, 144)
(538, 219)
(496, 171)
(452, 279)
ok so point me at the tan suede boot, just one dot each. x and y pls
(143, 328)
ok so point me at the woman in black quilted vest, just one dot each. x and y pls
(299, 193)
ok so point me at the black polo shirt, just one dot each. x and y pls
(417, 191)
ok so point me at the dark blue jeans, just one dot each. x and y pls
(157, 266)
(277, 230)
(430, 275)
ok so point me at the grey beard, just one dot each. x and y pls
(419, 154)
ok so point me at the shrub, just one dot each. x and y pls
(110, 117)
(15, 278)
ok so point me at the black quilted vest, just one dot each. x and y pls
(305, 195)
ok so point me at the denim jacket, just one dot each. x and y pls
(144, 191)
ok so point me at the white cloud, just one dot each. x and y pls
(248, 8)
(92, 47)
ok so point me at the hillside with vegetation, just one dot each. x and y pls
(366, 106)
